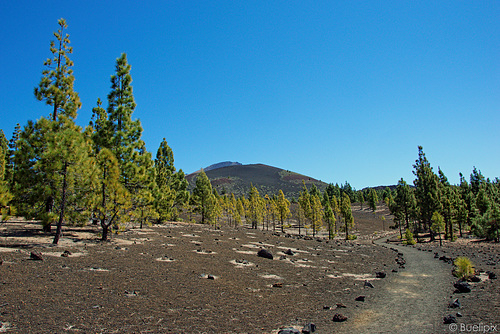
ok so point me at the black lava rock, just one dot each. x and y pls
(454, 304)
(339, 318)
(449, 319)
(360, 299)
(309, 328)
(265, 254)
(462, 287)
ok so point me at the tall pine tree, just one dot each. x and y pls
(171, 191)
(126, 144)
(56, 85)
(426, 190)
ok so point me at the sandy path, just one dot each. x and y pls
(411, 301)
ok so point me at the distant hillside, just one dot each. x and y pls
(237, 179)
(221, 165)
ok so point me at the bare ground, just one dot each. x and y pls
(184, 278)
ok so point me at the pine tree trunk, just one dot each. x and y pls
(105, 229)
(346, 231)
(49, 205)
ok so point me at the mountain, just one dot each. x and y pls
(237, 178)
(221, 165)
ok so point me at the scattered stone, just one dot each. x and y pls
(446, 259)
(265, 254)
(462, 287)
(309, 328)
(66, 253)
(277, 285)
(436, 255)
(492, 275)
(459, 315)
(380, 274)
(340, 305)
(131, 293)
(339, 318)
(289, 252)
(454, 304)
(369, 284)
(37, 256)
(475, 279)
(1, 262)
(212, 277)
(245, 262)
(449, 319)
(360, 298)
(289, 330)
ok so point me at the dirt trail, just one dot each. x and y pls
(414, 300)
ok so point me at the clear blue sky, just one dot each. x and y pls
(337, 90)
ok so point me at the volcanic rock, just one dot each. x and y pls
(37, 256)
(339, 317)
(265, 254)
(449, 319)
(462, 287)
(309, 328)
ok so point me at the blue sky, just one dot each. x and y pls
(336, 90)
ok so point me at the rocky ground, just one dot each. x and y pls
(185, 278)
(482, 304)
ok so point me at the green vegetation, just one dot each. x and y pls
(464, 269)
(408, 238)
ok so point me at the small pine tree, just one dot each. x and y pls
(464, 268)
(409, 238)
(202, 197)
(438, 225)
(283, 206)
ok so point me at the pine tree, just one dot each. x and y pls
(373, 199)
(426, 190)
(255, 207)
(361, 199)
(113, 200)
(334, 204)
(438, 225)
(305, 204)
(56, 85)
(316, 213)
(202, 196)
(11, 168)
(126, 143)
(5, 194)
(449, 205)
(67, 163)
(404, 203)
(468, 202)
(283, 206)
(345, 209)
(330, 219)
(171, 185)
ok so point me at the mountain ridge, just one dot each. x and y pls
(237, 178)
